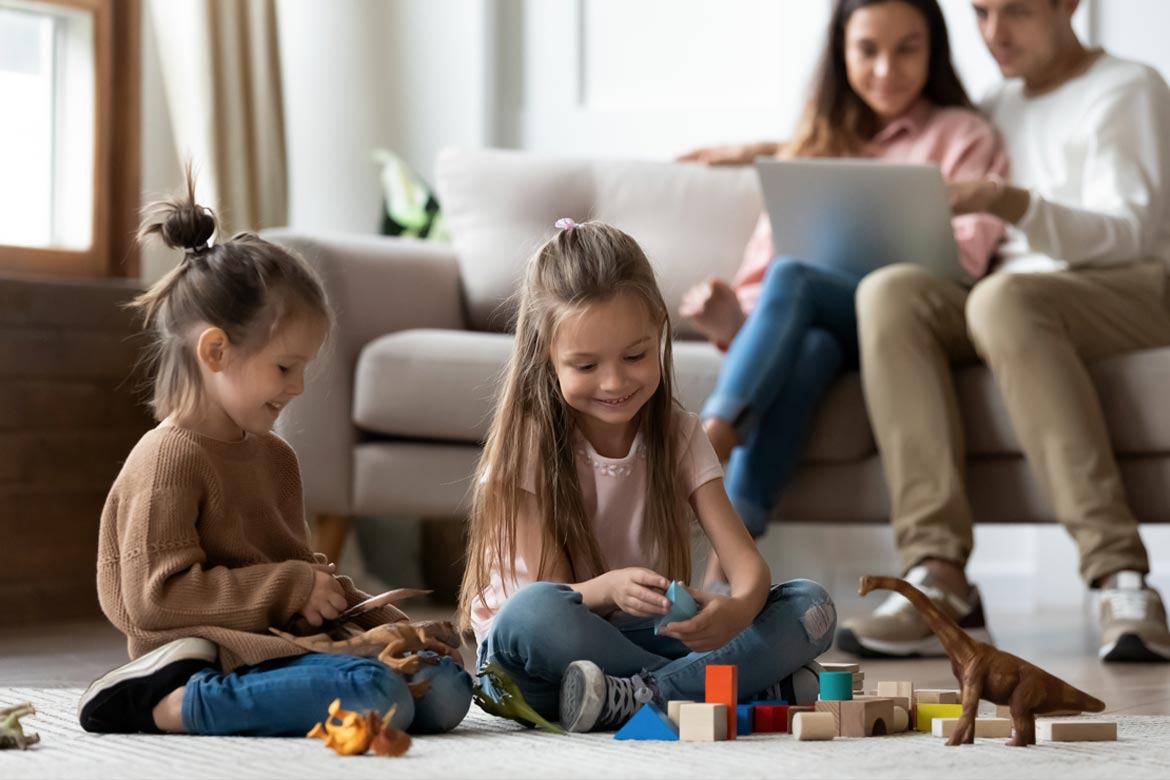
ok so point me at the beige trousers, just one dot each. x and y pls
(1037, 333)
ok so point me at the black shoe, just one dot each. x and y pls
(122, 701)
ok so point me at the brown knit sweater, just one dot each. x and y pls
(206, 538)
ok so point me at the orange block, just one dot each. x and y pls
(723, 688)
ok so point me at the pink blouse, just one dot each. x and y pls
(963, 143)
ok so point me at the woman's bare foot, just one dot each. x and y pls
(168, 713)
(713, 308)
(722, 436)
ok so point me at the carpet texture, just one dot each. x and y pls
(488, 747)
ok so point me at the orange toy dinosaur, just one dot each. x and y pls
(984, 672)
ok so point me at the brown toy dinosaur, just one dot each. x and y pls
(984, 672)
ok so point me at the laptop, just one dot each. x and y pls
(860, 215)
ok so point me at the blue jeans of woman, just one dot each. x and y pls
(544, 627)
(288, 696)
(795, 343)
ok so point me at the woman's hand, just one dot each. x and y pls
(720, 619)
(973, 196)
(638, 592)
(730, 154)
(327, 599)
(714, 309)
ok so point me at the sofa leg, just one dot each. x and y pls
(332, 531)
(444, 545)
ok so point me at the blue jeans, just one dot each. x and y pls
(798, 340)
(544, 627)
(288, 696)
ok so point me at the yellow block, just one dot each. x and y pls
(928, 712)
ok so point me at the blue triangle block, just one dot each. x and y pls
(649, 723)
(682, 606)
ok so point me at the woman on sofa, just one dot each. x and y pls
(885, 89)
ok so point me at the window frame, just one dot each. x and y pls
(117, 166)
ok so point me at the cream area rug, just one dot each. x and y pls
(488, 747)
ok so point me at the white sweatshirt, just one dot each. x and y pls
(1095, 154)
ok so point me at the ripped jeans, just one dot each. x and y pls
(544, 627)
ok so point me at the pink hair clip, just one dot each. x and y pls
(565, 223)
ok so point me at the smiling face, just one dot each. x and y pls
(887, 56)
(1024, 36)
(247, 390)
(606, 360)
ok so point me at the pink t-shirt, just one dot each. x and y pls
(614, 495)
(965, 146)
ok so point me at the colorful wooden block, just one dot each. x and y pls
(794, 711)
(836, 686)
(807, 726)
(649, 724)
(672, 708)
(928, 712)
(771, 719)
(1077, 730)
(937, 696)
(703, 722)
(870, 718)
(723, 688)
(682, 606)
(984, 727)
(744, 716)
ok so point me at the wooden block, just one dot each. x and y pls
(901, 719)
(793, 712)
(649, 724)
(809, 726)
(672, 708)
(851, 668)
(771, 719)
(870, 718)
(984, 727)
(937, 696)
(831, 707)
(702, 722)
(744, 719)
(896, 689)
(836, 686)
(723, 688)
(1005, 711)
(1077, 730)
(928, 712)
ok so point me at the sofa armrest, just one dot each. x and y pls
(376, 285)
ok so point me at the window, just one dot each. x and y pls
(68, 88)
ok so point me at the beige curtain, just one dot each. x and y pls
(221, 70)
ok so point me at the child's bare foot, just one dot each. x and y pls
(714, 309)
(168, 713)
(722, 436)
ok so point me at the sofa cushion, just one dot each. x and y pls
(500, 206)
(440, 385)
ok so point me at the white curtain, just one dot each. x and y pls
(221, 70)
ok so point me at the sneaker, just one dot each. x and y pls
(897, 630)
(802, 687)
(592, 700)
(1133, 622)
(122, 701)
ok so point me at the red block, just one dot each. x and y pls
(723, 688)
(771, 718)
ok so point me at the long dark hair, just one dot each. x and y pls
(836, 121)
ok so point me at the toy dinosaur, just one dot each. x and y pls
(398, 645)
(984, 672)
(351, 734)
(11, 732)
(507, 702)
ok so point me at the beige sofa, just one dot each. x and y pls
(391, 421)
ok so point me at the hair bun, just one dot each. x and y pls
(182, 223)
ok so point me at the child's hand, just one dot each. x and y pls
(326, 600)
(638, 592)
(720, 620)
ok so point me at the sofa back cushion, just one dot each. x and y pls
(500, 206)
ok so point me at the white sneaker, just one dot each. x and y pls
(1133, 622)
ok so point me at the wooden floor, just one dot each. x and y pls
(73, 654)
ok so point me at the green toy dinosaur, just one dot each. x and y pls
(11, 733)
(511, 704)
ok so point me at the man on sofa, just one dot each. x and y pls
(1083, 277)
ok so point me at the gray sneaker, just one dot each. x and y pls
(592, 700)
(1133, 622)
(897, 630)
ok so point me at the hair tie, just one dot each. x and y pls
(565, 223)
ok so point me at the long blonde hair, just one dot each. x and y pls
(582, 265)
